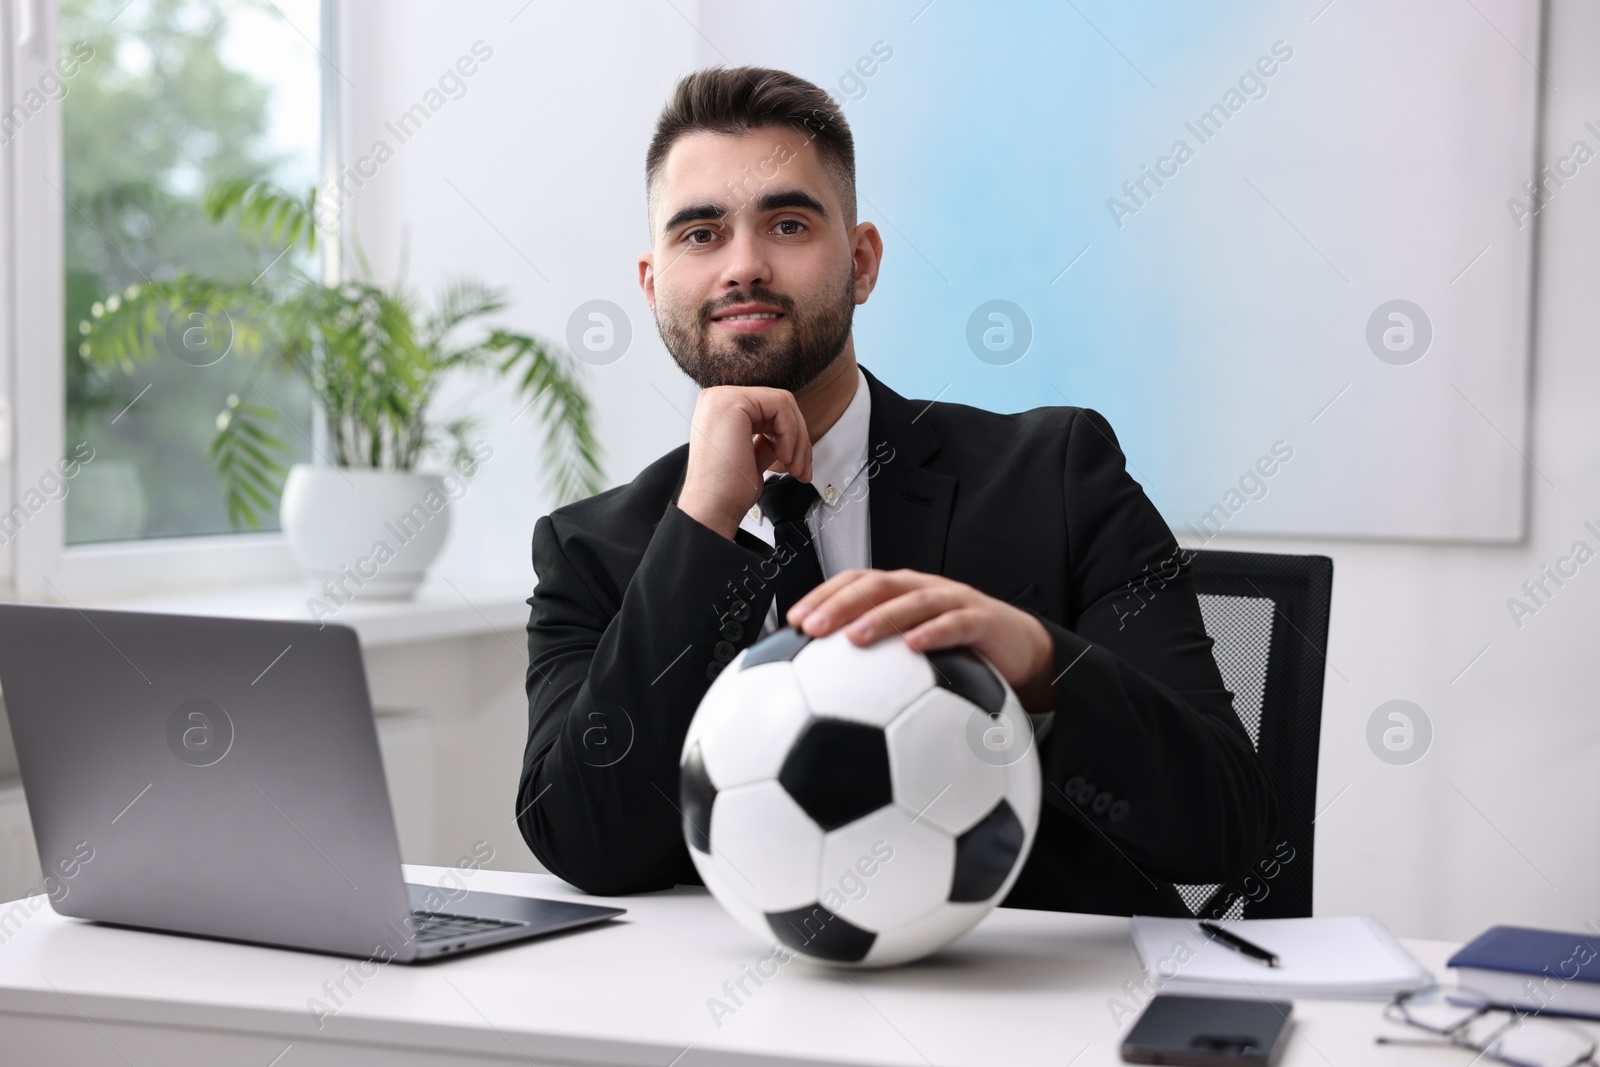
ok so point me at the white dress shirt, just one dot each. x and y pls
(840, 524)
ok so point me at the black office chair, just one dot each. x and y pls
(1268, 618)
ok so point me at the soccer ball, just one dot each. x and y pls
(865, 806)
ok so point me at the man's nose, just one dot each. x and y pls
(747, 263)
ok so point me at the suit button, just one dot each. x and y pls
(1118, 812)
(1101, 803)
(733, 631)
(741, 612)
(724, 651)
(714, 669)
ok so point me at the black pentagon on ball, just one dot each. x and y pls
(985, 854)
(695, 795)
(780, 646)
(816, 931)
(964, 674)
(838, 771)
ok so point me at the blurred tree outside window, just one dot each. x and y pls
(176, 95)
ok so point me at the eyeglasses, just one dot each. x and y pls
(1466, 1019)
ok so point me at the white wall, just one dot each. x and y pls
(1499, 821)
(536, 170)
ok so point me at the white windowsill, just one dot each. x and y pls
(157, 567)
(441, 609)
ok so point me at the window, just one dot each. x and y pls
(115, 119)
(168, 97)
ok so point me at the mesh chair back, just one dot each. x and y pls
(1267, 616)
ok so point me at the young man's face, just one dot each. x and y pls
(753, 276)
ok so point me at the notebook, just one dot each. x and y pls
(1341, 958)
(1537, 970)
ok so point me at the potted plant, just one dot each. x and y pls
(373, 358)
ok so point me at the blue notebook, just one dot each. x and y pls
(1541, 970)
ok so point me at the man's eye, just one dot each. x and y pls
(690, 236)
(796, 223)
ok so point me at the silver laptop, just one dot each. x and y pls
(221, 777)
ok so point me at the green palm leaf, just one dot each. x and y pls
(549, 379)
(267, 215)
(249, 460)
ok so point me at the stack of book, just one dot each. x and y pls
(1544, 971)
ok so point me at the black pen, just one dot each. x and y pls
(1239, 944)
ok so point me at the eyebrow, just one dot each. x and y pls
(774, 201)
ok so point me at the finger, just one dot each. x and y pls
(846, 579)
(963, 626)
(799, 461)
(821, 592)
(765, 451)
(852, 597)
(902, 613)
(826, 591)
(778, 415)
(773, 412)
(846, 604)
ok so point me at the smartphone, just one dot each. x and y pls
(1209, 1032)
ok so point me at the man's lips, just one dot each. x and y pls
(748, 318)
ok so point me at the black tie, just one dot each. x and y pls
(785, 501)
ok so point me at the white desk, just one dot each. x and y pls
(1023, 988)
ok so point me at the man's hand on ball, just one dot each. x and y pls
(737, 433)
(933, 612)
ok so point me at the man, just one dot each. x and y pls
(810, 493)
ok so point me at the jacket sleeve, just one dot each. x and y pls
(613, 679)
(1145, 744)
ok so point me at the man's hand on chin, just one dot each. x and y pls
(737, 433)
(932, 613)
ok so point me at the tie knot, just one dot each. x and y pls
(785, 499)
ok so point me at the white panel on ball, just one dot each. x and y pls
(770, 847)
(921, 935)
(869, 685)
(914, 880)
(1024, 783)
(936, 772)
(712, 706)
(757, 722)
(719, 881)
(1010, 743)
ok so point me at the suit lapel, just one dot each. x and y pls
(909, 504)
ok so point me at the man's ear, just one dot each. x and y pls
(647, 278)
(867, 253)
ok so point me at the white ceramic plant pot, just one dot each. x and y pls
(371, 533)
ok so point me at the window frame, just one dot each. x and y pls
(37, 563)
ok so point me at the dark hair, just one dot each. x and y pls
(740, 99)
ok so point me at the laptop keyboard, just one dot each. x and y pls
(437, 926)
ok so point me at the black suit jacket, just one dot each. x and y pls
(1149, 778)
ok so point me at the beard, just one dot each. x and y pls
(816, 336)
